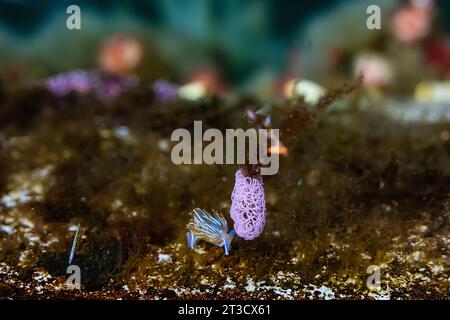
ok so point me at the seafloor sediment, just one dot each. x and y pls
(358, 189)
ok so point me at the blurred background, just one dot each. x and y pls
(251, 47)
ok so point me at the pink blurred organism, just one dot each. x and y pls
(120, 55)
(248, 206)
(413, 22)
(437, 54)
(375, 69)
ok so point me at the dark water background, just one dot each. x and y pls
(25, 16)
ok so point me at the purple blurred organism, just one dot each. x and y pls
(105, 86)
(165, 91)
(62, 84)
(108, 86)
(248, 206)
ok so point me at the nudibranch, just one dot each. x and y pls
(248, 206)
(212, 228)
